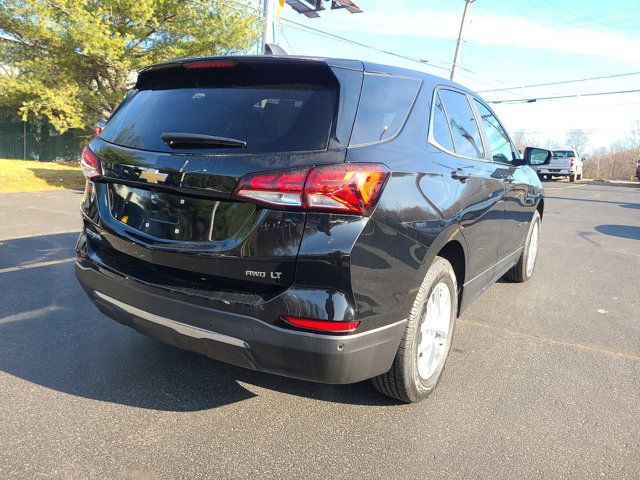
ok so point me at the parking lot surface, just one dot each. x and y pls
(543, 380)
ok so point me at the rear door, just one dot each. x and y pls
(481, 188)
(173, 152)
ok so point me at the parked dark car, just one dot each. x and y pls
(321, 219)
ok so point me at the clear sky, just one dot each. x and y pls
(507, 43)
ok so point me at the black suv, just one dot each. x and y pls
(322, 219)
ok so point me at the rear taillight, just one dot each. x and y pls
(90, 164)
(280, 188)
(327, 326)
(351, 188)
(571, 163)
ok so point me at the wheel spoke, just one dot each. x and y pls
(434, 331)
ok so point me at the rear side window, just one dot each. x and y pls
(499, 143)
(385, 103)
(440, 127)
(466, 136)
(270, 115)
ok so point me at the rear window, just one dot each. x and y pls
(564, 154)
(384, 106)
(269, 114)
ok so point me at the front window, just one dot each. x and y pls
(499, 143)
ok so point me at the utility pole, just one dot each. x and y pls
(269, 19)
(456, 57)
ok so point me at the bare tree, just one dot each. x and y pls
(633, 139)
(551, 144)
(618, 162)
(521, 140)
(577, 139)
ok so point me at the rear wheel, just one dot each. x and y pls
(572, 178)
(424, 348)
(523, 270)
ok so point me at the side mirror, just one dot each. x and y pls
(537, 156)
(583, 158)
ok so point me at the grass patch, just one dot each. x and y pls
(32, 176)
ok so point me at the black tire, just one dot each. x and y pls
(519, 272)
(402, 381)
(572, 178)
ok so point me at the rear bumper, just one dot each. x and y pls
(555, 171)
(242, 340)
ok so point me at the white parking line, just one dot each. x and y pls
(30, 314)
(553, 341)
(21, 237)
(564, 188)
(36, 265)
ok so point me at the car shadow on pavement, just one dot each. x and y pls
(30, 250)
(623, 231)
(52, 335)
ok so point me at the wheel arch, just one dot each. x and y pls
(540, 207)
(452, 246)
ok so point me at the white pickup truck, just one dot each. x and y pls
(564, 163)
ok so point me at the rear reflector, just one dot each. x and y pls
(205, 64)
(322, 325)
(348, 188)
(90, 164)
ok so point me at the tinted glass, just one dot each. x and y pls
(466, 136)
(564, 154)
(269, 118)
(384, 106)
(440, 126)
(498, 139)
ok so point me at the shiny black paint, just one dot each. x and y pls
(335, 267)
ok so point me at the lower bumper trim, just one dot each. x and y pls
(179, 327)
(242, 340)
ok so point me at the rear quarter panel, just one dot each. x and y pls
(415, 216)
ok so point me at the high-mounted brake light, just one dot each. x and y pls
(349, 188)
(206, 64)
(90, 164)
(327, 326)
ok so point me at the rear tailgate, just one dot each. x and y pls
(561, 161)
(164, 214)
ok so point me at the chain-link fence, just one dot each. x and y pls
(37, 140)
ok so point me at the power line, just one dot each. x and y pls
(317, 31)
(359, 44)
(323, 33)
(556, 97)
(423, 62)
(560, 82)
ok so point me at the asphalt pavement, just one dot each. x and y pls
(543, 380)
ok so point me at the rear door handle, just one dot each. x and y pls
(460, 174)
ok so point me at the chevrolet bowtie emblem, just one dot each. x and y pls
(152, 175)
